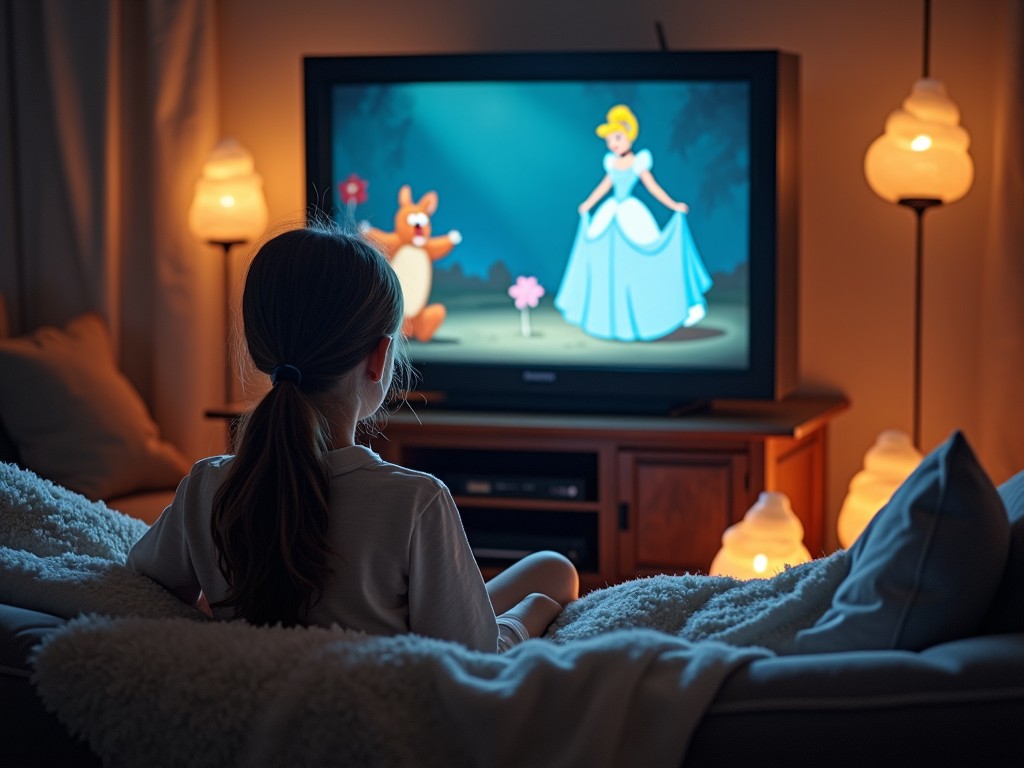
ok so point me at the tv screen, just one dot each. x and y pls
(573, 232)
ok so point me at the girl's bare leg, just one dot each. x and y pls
(547, 573)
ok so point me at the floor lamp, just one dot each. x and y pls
(228, 209)
(920, 162)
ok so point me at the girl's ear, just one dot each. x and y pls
(378, 359)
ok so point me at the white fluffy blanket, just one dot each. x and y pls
(623, 677)
(63, 554)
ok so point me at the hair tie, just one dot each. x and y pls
(285, 372)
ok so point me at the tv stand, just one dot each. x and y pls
(622, 496)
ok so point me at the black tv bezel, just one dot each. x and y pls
(773, 77)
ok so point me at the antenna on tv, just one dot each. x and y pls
(661, 36)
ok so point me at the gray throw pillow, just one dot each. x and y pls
(926, 568)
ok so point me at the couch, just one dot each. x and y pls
(958, 703)
(907, 648)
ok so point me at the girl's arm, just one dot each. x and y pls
(447, 596)
(162, 553)
(600, 191)
(660, 194)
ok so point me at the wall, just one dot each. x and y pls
(859, 58)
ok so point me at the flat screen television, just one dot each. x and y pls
(530, 203)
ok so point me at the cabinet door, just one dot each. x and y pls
(674, 507)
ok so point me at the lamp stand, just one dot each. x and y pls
(228, 373)
(918, 205)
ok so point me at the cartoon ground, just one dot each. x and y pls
(479, 330)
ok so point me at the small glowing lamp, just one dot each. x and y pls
(887, 464)
(764, 542)
(228, 206)
(923, 153)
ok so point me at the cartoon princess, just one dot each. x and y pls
(627, 279)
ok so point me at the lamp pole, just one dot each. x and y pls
(228, 374)
(918, 205)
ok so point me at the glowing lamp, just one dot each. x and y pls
(764, 542)
(887, 464)
(228, 206)
(923, 153)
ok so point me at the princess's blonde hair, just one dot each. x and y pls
(620, 118)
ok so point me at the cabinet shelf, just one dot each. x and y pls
(582, 507)
(622, 496)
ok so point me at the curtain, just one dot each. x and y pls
(109, 108)
(1001, 346)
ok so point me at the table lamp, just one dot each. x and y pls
(764, 542)
(887, 464)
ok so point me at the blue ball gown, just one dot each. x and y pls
(626, 279)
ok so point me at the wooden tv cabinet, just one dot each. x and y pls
(623, 496)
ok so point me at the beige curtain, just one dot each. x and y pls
(1001, 347)
(108, 110)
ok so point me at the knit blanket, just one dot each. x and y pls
(623, 676)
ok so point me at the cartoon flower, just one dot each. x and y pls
(353, 190)
(526, 292)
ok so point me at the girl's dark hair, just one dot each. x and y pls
(319, 300)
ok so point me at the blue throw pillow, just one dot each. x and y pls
(926, 568)
(1007, 611)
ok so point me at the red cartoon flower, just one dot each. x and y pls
(353, 190)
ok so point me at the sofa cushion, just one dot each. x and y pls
(1007, 611)
(76, 419)
(955, 704)
(926, 568)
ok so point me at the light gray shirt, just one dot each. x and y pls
(403, 562)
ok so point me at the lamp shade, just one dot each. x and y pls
(764, 542)
(923, 152)
(228, 205)
(887, 464)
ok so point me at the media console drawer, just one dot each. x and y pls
(620, 496)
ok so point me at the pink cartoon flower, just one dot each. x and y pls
(526, 292)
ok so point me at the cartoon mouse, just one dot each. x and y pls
(412, 251)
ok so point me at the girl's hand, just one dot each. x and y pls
(681, 207)
(583, 209)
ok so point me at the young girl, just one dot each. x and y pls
(303, 525)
